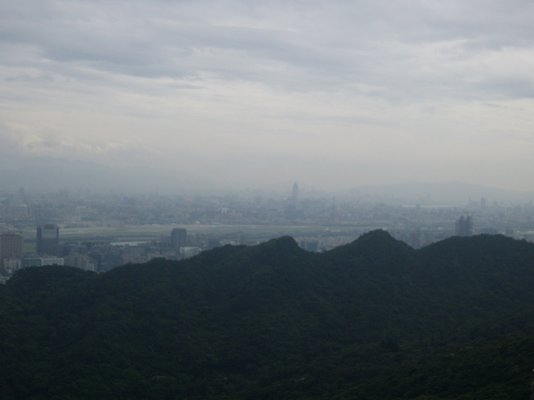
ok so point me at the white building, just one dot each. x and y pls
(12, 265)
(80, 261)
(42, 261)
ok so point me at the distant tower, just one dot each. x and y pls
(48, 239)
(178, 238)
(295, 192)
(464, 226)
(10, 246)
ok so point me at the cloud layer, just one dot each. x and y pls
(335, 94)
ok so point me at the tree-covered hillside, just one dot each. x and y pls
(373, 319)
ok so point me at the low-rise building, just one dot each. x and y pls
(41, 261)
(11, 265)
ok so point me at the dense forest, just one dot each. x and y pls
(371, 320)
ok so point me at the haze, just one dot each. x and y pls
(237, 94)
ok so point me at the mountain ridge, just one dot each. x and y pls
(274, 321)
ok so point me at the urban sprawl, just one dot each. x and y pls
(98, 232)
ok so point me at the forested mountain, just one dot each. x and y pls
(374, 319)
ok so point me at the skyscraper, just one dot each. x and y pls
(178, 238)
(295, 192)
(48, 239)
(464, 226)
(10, 246)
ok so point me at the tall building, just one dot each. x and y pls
(48, 239)
(178, 238)
(10, 246)
(464, 226)
(295, 192)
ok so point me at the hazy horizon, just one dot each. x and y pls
(239, 95)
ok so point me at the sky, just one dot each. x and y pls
(332, 94)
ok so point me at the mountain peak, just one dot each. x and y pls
(283, 243)
(376, 243)
(376, 235)
(279, 250)
(476, 246)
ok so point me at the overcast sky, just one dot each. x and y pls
(333, 94)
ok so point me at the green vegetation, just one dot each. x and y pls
(373, 319)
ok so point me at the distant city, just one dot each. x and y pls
(98, 232)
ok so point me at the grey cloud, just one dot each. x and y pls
(30, 78)
(10, 148)
(508, 88)
(313, 46)
(203, 79)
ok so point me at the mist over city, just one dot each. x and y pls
(267, 200)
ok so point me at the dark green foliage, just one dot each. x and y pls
(373, 319)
